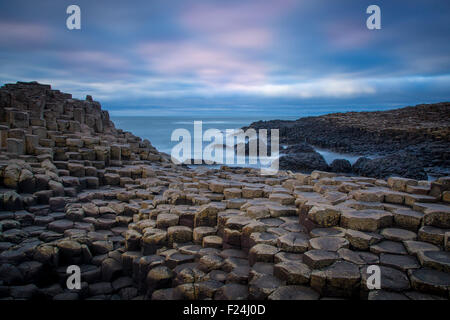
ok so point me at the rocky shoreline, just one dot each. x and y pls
(75, 190)
(412, 142)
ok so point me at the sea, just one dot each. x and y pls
(158, 130)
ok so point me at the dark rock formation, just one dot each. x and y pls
(402, 165)
(302, 158)
(341, 166)
(303, 162)
(421, 134)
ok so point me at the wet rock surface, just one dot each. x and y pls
(78, 191)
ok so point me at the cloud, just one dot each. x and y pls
(228, 53)
(251, 38)
(94, 58)
(234, 14)
(320, 88)
(204, 63)
(347, 36)
(23, 33)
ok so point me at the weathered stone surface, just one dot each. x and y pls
(132, 240)
(395, 234)
(293, 242)
(324, 215)
(436, 215)
(391, 279)
(438, 260)
(318, 259)
(239, 274)
(366, 220)
(293, 272)
(232, 237)
(16, 146)
(232, 193)
(166, 220)
(258, 212)
(328, 243)
(232, 291)
(294, 292)
(358, 257)
(69, 249)
(201, 232)
(10, 274)
(287, 256)
(102, 247)
(369, 195)
(447, 241)
(111, 269)
(263, 237)
(251, 193)
(282, 198)
(415, 295)
(328, 232)
(177, 259)
(210, 262)
(388, 246)
(260, 288)
(430, 281)
(207, 215)
(399, 184)
(432, 235)
(159, 277)
(394, 197)
(262, 253)
(111, 179)
(60, 225)
(212, 242)
(401, 262)
(24, 292)
(100, 288)
(408, 219)
(179, 234)
(414, 247)
(207, 289)
(341, 279)
(362, 240)
(380, 295)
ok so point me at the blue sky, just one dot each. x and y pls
(232, 57)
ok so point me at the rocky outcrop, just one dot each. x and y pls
(140, 227)
(302, 157)
(402, 165)
(341, 165)
(303, 162)
(420, 135)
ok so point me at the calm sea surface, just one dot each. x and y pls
(158, 129)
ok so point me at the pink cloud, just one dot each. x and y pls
(97, 58)
(213, 17)
(23, 33)
(343, 35)
(215, 65)
(245, 38)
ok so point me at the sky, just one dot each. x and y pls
(228, 57)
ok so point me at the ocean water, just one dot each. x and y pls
(329, 156)
(158, 129)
